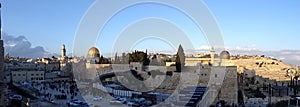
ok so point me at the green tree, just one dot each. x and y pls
(139, 56)
(180, 59)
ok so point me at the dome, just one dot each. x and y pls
(93, 52)
(225, 55)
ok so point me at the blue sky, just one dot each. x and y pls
(48, 23)
(269, 24)
(263, 24)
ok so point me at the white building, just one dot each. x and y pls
(20, 76)
(20, 66)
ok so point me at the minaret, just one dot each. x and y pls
(212, 56)
(2, 73)
(116, 58)
(63, 50)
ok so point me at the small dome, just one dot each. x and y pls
(225, 55)
(93, 52)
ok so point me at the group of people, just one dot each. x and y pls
(59, 92)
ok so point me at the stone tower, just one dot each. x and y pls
(212, 55)
(2, 73)
(63, 50)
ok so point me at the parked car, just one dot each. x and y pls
(97, 98)
(115, 102)
(15, 97)
(76, 103)
(147, 103)
(122, 100)
(139, 100)
(133, 104)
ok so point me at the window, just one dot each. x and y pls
(216, 75)
(23, 74)
(37, 74)
(19, 74)
(14, 74)
(31, 74)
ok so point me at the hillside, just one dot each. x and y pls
(265, 67)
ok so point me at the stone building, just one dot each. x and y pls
(249, 73)
(223, 59)
(22, 76)
(138, 66)
(93, 65)
(3, 86)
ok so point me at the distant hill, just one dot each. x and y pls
(266, 67)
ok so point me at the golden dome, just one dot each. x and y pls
(225, 55)
(93, 52)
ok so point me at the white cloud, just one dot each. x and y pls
(204, 47)
(19, 46)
